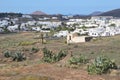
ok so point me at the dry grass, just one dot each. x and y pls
(109, 46)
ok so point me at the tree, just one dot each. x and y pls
(19, 27)
(11, 23)
(112, 25)
(63, 24)
(84, 27)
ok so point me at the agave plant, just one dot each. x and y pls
(7, 54)
(18, 56)
(100, 65)
(50, 57)
(78, 60)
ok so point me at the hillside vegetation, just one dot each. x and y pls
(23, 57)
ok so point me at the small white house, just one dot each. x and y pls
(31, 23)
(80, 31)
(61, 34)
(36, 28)
(45, 29)
(13, 28)
(24, 27)
(96, 32)
(4, 23)
(26, 16)
(109, 31)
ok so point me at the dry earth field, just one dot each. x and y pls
(34, 69)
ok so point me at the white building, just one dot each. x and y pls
(96, 32)
(36, 28)
(75, 38)
(61, 34)
(13, 28)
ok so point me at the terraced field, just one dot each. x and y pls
(33, 68)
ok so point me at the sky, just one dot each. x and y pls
(58, 6)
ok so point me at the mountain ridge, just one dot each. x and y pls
(38, 13)
(114, 13)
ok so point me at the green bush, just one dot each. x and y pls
(60, 55)
(34, 49)
(76, 60)
(15, 56)
(50, 57)
(101, 65)
(18, 56)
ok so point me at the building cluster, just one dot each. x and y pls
(94, 27)
(97, 26)
(16, 25)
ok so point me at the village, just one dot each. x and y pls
(96, 26)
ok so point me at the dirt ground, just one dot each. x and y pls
(50, 71)
(33, 66)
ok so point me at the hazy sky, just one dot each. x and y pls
(58, 6)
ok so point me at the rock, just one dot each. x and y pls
(114, 72)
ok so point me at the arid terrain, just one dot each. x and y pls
(33, 68)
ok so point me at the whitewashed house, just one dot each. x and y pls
(13, 28)
(26, 16)
(91, 25)
(110, 31)
(96, 32)
(61, 34)
(80, 31)
(4, 23)
(49, 23)
(45, 29)
(24, 27)
(54, 18)
(36, 28)
(117, 30)
(31, 23)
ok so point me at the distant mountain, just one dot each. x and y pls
(96, 13)
(38, 13)
(114, 13)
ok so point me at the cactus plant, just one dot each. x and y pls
(100, 65)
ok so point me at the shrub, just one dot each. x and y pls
(73, 60)
(18, 56)
(7, 54)
(34, 49)
(101, 65)
(60, 55)
(76, 60)
(15, 56)
(50, 57)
